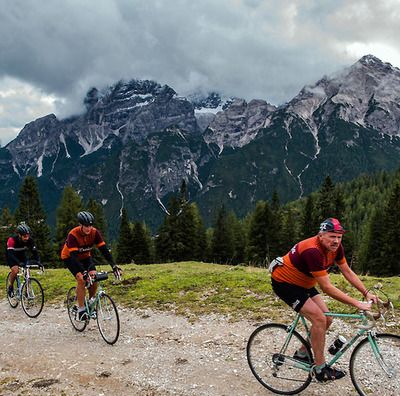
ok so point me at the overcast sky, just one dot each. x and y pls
(53, 51)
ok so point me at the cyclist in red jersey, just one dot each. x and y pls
(76, 256)
(17, 246)
(294, 277)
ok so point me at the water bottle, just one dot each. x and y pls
(337, 345)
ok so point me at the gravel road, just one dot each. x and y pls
(157, 354)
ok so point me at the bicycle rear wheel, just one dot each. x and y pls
(380, 375)
(13, 300)
(270, 357)
(107, 319)
(32, 297)
(72, 308)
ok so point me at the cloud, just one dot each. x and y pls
(266, 49)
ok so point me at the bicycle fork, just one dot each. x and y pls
(388, 369)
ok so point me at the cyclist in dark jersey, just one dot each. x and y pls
(16, 256)
(294, 277)
(76, 256)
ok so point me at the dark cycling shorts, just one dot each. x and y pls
(292, 295)
(87, 264)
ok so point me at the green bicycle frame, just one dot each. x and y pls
(354, 339)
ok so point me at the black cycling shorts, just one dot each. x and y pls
(87, 264)
(292, 295)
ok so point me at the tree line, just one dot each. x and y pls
(367, 207)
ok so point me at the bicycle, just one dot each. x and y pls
(29, 290)
(100, 307)
(374, 362)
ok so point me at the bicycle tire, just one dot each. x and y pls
(107, 319)
(72, 308)
(274, 368)
(12, 300)
(32, 297)
(368, 374)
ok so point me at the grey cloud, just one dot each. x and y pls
(249, 48)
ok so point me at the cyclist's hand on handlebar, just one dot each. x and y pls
(364, 306)
(372, 298)
(117, 271)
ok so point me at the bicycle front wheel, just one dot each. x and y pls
(72, 308)
(376, 373)
(107, 319)
(270, 351)
(13, 299)
(32, 297)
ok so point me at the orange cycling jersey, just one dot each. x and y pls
(306, 260)
(82, 243)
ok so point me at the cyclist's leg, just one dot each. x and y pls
(13, 275)
(321, 304)
(311, 311)
(91, 268)
(77, 272)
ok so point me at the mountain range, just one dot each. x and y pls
(138, 140)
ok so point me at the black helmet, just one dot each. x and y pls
(23, 229)
(85, 218)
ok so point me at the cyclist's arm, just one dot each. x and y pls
(12, 259)
(332, 291)
(352, 278)
(107, 255)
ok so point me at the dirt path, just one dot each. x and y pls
(156, 354)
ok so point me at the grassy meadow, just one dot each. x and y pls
(192, 289)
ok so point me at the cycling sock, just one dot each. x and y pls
(319, 368)
(81, 309)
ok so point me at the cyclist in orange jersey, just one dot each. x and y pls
(294, 277)
(76, 256)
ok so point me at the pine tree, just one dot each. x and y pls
(222, 250)
(31, 212)
(141, 248)
(202, 248)
(369, 260)
(289, 234)
(326, 204)
(239, 238)
(186, 232)
(257, 242)
(166, 249)
(309, 222)
(274, 238)
(71, 204)
(100, 222)
(124, 253)
(390, 253)
(150, 242)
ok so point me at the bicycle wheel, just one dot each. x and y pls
(107, 318)
(270, 357)
(13, 300)
(32, 297)
(380, 375)
(72, 308)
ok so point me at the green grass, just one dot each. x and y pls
(193, 289)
